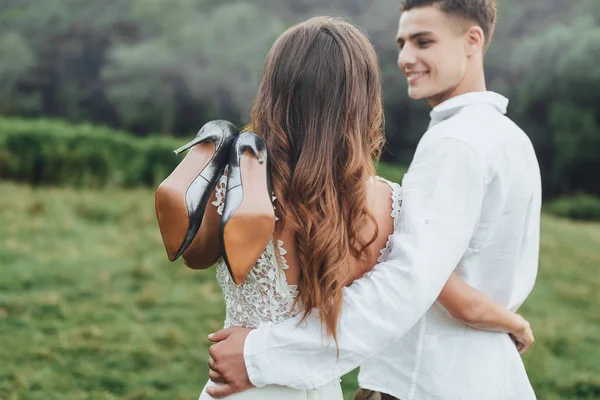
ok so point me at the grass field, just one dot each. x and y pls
(90, 307)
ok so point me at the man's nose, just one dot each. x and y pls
(406, 57)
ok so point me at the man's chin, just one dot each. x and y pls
(417, 94)
(420, 94)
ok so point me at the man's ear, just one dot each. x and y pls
(475, 40)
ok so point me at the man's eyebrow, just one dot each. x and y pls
(414, 36)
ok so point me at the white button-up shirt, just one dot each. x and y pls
(471, 204)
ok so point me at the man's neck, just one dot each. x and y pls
(473, 82)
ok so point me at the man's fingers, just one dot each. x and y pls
(215, 376)
(220, 335)
(221, 391)
(211, 352)
(519, 345)
(525, 347)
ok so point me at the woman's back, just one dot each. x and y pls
(383, 201)
(270, 289)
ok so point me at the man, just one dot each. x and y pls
(472, 199)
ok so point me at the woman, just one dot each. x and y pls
(320, 113)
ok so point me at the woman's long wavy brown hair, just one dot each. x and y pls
(319, 109)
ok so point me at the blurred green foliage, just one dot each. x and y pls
(54, 152)
(50, 152)
(391, 172)
(578, 207)
(169, 66)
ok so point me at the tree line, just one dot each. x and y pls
(151, 66)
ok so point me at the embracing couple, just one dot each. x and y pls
(418, 285)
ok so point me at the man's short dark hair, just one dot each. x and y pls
(482, 12)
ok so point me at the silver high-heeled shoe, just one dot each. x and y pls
(248, 219)
(181, 199)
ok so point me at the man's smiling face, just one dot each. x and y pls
(432, 51)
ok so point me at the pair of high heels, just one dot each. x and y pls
(246, 226)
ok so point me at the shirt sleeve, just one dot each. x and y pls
(442, 199)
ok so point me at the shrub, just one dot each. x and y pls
(50, 152)
(53, 152)
(579, 207)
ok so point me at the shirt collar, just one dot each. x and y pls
(451, 106)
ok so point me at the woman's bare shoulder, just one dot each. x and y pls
(379, 199)
(379, 203)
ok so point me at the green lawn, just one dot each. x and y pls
(90, 307)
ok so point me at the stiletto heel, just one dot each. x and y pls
(248, 219)
(188, 145)
(181, 199)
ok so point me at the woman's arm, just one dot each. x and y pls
(475, 309)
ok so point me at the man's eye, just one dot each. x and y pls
(424, 43)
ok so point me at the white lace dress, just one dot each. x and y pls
(264, 297)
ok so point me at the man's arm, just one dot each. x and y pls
(474, 308)
(442, 198)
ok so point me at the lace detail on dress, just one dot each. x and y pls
(396, 206)
(220, 191)
(265, 295)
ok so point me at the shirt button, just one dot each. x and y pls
(427, 222)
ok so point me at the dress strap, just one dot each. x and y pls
(396, 207)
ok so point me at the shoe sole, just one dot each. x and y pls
(250, 228)
(170, 200)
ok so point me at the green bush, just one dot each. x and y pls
(53, 152)
(579, 207)
(50, 152)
